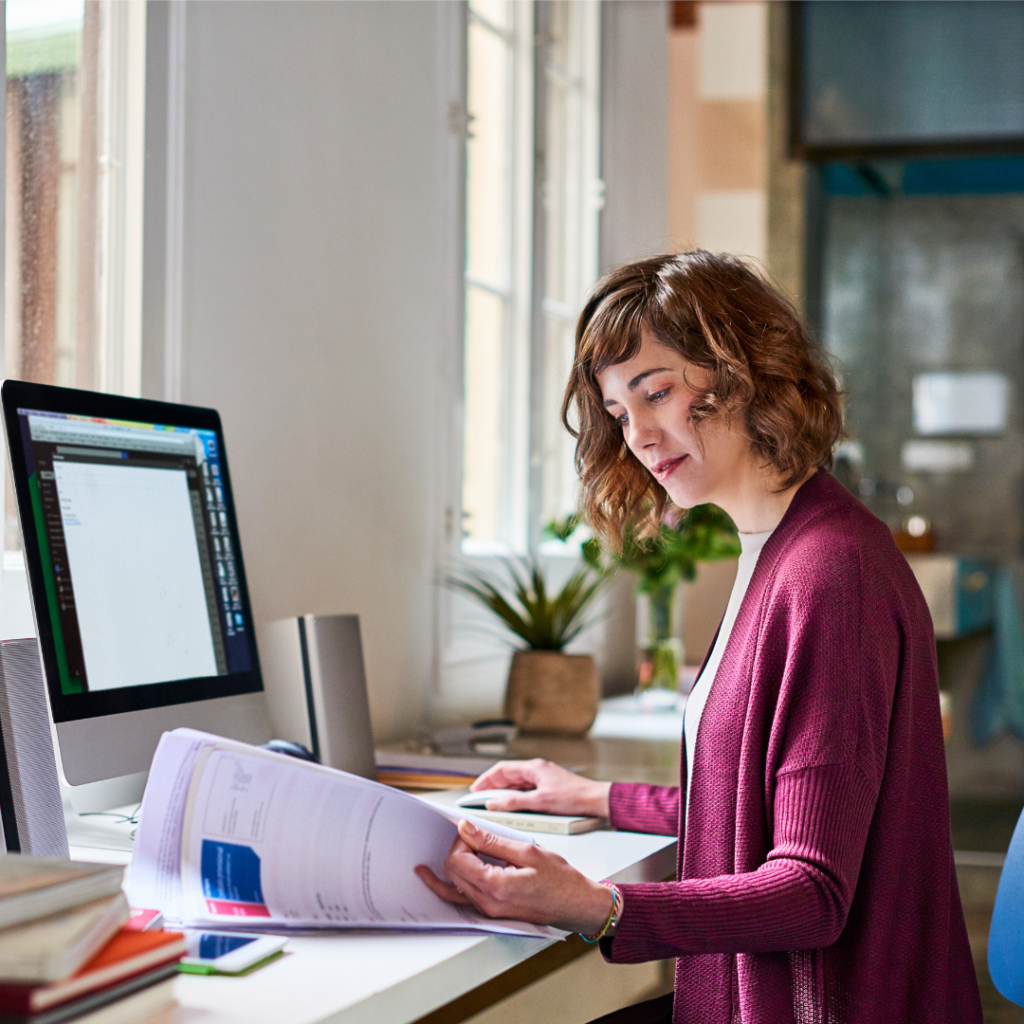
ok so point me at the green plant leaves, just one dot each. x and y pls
(520, 599)
(522, 604)
(703, 534)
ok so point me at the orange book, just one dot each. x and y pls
(128, 953)
(422, 780)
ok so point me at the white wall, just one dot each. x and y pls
(634, 130)
(321, 292)
(320, 307)
(321, 295)
(634, 222)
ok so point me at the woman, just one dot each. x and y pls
(816, 879)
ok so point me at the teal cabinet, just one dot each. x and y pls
(958, 591)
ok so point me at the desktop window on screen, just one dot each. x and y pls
(137, 558)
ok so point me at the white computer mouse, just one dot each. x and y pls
(480, 798)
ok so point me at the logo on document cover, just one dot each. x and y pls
(231, 880)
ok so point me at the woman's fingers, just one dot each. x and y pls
(446, 890)
(492, 888)
(528, 884)
(477, 840)
(473, 881)
(487, 884)
(525, 800)
(462, 889)
(544, 787)
(493, 778)
(509, 775)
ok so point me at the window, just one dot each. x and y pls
(74, 196)
(571, 207)
(498, 222)
(533, 198)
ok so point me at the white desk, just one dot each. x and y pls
(370, 978)
(625, 718)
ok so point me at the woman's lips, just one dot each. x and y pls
(664, 469)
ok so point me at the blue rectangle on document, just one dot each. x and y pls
(230, 872)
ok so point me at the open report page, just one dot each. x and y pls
(232, 835)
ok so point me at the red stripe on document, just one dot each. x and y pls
(232, 908)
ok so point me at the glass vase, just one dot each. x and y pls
(662, 648)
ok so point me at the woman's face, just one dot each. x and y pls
(650, 396)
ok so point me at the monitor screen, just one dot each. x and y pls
(132, 549)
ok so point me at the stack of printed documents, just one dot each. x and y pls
(232, 835)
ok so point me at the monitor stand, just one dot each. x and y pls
(103, 815)
(106, 830)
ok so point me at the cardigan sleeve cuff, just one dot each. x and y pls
(632, 942)
(637, 807)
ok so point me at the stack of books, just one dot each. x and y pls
(70, 949)
(428, 771)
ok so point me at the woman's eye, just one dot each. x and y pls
(622, 419)
(657, 396)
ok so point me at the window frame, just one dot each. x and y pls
(154, 368)
(472, 662)
(527, 426)
(514, 418)
(581, 227)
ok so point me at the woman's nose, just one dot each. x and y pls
(642, 430)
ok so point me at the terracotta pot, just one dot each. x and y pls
(552, 692)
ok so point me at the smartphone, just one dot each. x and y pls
(227, 952)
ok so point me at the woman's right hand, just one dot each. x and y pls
(544, 787)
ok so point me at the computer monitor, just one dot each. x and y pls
(136, 574)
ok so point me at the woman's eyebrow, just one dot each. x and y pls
(635, 382)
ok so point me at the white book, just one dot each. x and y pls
(524, 821)
(140, 1006)
(32, 887)
(552, 824)
(54, 947)
(232, 835)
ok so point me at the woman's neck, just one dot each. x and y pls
(756, 505)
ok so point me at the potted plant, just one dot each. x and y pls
(661, 562)
(548, 690)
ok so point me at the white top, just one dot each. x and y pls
(751, 543)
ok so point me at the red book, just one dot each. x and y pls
(144, 920)
(128, 953)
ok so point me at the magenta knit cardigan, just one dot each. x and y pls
(816, 879)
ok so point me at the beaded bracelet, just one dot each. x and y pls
(613, 918)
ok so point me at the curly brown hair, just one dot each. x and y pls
(723, 317)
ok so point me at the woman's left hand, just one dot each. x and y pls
(533, 884)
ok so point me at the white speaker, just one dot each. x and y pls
(315, 684)
(30, 803)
